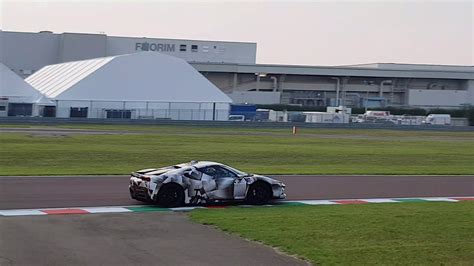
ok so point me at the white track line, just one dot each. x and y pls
(106, 209)
(21, 212)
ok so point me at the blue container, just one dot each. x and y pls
(247, 110)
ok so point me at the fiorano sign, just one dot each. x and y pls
(157, 47)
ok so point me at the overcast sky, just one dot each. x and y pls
(286, 32)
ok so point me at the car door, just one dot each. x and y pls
(240, 188)
(224, 180)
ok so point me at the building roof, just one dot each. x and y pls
(17, 90)
(371, 70)
(53, 80)
(408, 67)
(145, 76)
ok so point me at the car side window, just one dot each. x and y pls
(210, 170)
(222, 172)
(217, 171)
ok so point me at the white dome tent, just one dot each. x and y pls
(18, 98)
(141, 85)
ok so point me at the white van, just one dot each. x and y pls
(236, 117)
(438, 119)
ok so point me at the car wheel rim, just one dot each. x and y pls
(259, 194)
(170, 196)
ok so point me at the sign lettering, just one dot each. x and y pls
(156, 47)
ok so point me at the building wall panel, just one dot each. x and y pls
(435, 98)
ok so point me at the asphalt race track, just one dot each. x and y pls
(87, 191)
(164, 238)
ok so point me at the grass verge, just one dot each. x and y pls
(265, 151)
(390, 234)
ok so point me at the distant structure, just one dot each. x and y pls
(18, 98)
(231, 66)
(144, 85)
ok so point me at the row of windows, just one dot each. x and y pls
(194, 48)
(183, 48)
(111, 113)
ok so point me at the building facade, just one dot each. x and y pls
(27, 52)
(377, 85)
(231, 66)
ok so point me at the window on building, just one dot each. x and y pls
(194, 48)
(49, 111)
(3, 108)
(182, 47)
(20, 109)
(119, 114)
(78, 112)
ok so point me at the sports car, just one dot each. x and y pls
(198, 182)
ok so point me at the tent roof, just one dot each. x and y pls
(17, 90)
(147, 76)
(53, 80)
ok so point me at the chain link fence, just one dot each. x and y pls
(143, 110)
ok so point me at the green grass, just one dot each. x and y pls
(390, 234)
(266, 151)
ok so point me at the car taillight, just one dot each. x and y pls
(145, 178)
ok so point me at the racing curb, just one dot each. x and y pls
(152, 208)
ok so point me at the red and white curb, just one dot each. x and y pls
(151, 208)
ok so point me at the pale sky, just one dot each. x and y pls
(286, 32)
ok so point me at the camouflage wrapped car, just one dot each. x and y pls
(202, 182)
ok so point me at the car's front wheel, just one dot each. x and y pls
(259, 193)
(132, 194)
(170, 195)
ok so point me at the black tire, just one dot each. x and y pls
(259, 193)
(170, 196)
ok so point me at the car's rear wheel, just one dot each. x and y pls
(170, 195)
(259, 193)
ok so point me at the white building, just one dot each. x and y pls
(18, 98)
(141, 85)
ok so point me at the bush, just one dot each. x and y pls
(287, 107)
(469, 114)
(452, 112)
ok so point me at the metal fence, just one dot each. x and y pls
(143, 110)
(115, 113)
